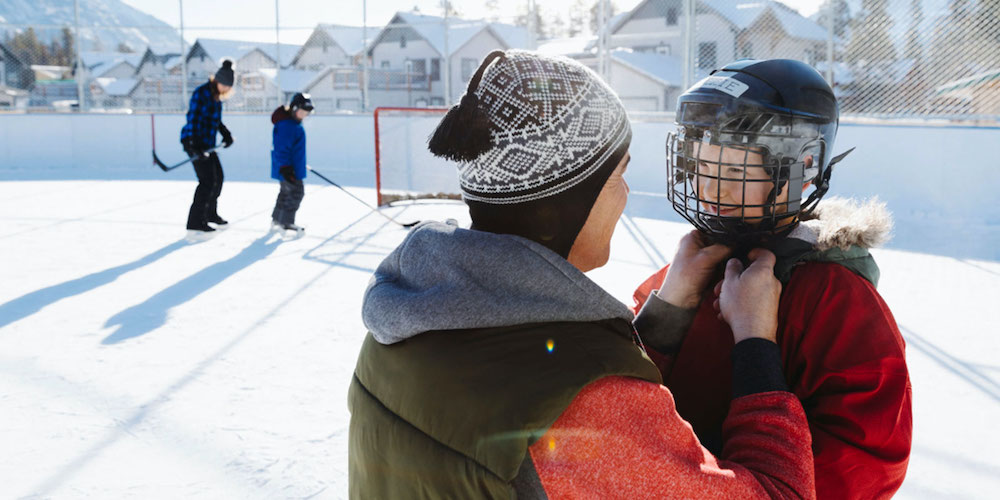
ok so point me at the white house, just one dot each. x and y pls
(332, 45)
(254, 65)
(645, 81)
(726, 30)
(109, 64)
(407, 56)
(155, 65)
(108, 92)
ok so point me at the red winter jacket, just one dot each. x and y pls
(844, 359)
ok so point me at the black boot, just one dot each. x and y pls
(219, 221)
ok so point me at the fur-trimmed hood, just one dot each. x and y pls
(839, 230)
(842, 223)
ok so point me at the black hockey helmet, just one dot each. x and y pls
(778, 114)
(300, 101)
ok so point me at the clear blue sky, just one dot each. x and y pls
(233, 18)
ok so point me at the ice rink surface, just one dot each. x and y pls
(134, 364)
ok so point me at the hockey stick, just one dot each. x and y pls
(165, 168)
(363, 202)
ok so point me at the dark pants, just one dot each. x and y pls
(288, 202)
(206, 195)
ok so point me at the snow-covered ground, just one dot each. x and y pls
(136, 365)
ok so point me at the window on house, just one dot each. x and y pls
(706, 55)
(672, 16)
(402, 42)
(435, 70)
(747, 51)
(469, 67)
(384, 65)
(418, 66)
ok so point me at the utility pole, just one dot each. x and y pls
(829, 43)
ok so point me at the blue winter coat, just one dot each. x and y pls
(288, 146)
(203, 117)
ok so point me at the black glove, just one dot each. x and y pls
(227, 137)
(287, 172)
(191, 148)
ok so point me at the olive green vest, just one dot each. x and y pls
(451, 414)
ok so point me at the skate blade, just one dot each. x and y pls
(194, 236)
(289, 234)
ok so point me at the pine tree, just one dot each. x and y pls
(870, 41)
(841, 12)
(595, 15)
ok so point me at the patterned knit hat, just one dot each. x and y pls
(536, 137)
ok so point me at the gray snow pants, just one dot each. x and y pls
(288, 201)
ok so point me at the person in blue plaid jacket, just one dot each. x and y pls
(204, 121)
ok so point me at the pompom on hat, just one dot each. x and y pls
(225, 74)
(536, 138)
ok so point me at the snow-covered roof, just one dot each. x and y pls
(460, 31)
(660, 67)
(91, 59)
(566, 46)
(350, 38)
(218, 50)
(293, 80)
(992, 75)
(117, 86)
(743, 13)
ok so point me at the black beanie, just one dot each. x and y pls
(537, 138)
(225, 74)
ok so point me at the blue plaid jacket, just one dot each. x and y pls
(203, 117)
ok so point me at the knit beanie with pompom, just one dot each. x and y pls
(536, 138)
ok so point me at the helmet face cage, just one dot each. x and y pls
(729, 179)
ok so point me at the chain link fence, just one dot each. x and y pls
(887, 59)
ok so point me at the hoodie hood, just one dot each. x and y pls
(841, 231)
(442, 277)
(280, 114)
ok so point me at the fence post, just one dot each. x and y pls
(364, 55)
(689, 26)
(277, 55)
(184, 70)
(829, 43)
(79, 63)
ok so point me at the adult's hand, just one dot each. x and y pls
(748, 298)
(691, 271)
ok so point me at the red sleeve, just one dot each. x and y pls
(852, 381)
(622, 438)
(663, 362)
(652, 283)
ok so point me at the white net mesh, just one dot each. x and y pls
(406, 170)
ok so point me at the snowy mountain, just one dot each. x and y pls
(126, 24)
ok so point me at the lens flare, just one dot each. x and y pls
(550, 345)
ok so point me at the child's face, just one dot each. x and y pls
(301, 114)
(720, 184)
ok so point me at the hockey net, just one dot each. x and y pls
(404, 168)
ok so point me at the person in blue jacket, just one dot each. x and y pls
(288, 160)
(204, 121)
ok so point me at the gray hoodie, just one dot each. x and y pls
(442, 277)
